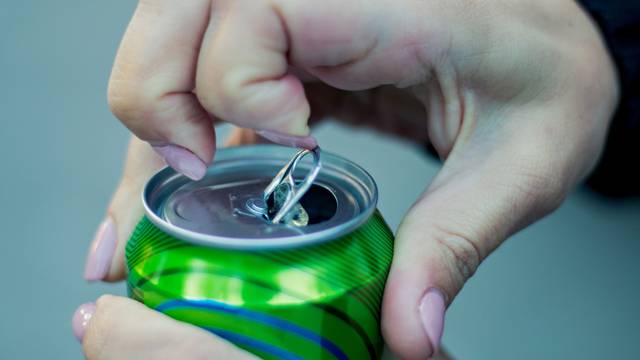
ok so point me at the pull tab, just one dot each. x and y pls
(284, 193)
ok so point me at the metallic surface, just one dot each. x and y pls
(295, 191)
(315, 302)
(186, 209)
(318, 301)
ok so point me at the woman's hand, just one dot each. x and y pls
(120, 328)
(515, 95)
(123, 329)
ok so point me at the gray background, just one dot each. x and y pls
(564, 288)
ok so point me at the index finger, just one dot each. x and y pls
(152, 82)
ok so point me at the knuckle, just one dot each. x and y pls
(126, 101)
(231, 83)
(215, 94)
(119, 104)
(460, 250)
(232, 95)
(190, 110)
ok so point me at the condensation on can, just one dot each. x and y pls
(280, 292)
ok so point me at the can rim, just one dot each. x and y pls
(264, 243)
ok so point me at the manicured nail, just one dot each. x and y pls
(81, 319)
(101, 251)
(307, 142)
(182, 161)
(432, 307)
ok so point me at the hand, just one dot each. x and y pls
(120, 328)
(123, 329)
(516, 96)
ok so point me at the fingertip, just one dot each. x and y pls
(182, 160)
(402, 328)
(432, 308)
(81, 318)
(101, 251)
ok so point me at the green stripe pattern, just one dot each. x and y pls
(316, 302)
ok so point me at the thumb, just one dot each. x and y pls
(471, 207)
(121, 328)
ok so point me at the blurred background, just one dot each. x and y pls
(566, 287)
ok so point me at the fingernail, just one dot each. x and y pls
(432, 307)
(307, 142)
(81, 319)
(101, 251)
(182, 161)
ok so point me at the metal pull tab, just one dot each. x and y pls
(283, 192)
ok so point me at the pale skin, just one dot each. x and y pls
(515, 96)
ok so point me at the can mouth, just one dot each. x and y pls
(216, 211)
(320, 203)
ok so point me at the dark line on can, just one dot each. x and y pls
(258, 317)
(371, 349)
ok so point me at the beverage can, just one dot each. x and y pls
(308, 286)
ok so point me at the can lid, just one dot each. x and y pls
(223, 209)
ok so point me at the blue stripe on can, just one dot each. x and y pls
(259, 317)
(253, 343)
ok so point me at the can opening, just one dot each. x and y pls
(319, 202)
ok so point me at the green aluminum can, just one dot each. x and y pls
(278, 291)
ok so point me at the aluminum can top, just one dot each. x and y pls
(219, 209)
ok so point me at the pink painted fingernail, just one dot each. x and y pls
(101, 251)
(307, 142)
(81, 319)
(182, 161)
(432, 308)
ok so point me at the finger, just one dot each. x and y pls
(152, 82)
(246, 136)
(471, 207)
(242, 74)
(251, 84)
(105, 260)
(243, 71)
(243, 136)
(121, 328)
(387, 109)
